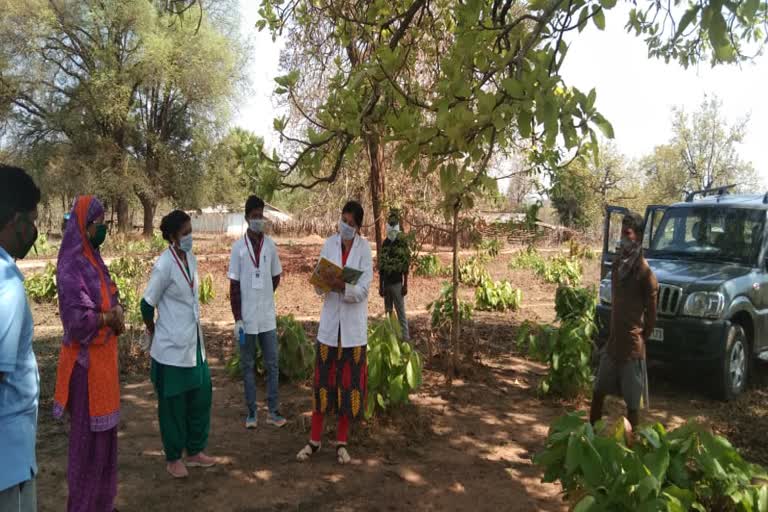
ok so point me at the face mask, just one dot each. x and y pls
(25, 247)
(101, 235)
(392, 232)
(185, 243)
(256, 225)
(626, 244)
(346, 231)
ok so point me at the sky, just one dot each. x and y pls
(636, 94)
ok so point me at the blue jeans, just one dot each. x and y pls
(268, 343)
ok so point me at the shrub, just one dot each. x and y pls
(394, 367)
(473, 272)
(127, 274)
(43, 248)
(41, 287)
(497, 296)
(207, 291)
(442, 309)
(428, 265)
(569, 374)
(536, 341)
(490, 248)
(573, 303)
(687, 468)
(560, 270)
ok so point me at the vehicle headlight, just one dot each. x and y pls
(605, 291)
(704, 304)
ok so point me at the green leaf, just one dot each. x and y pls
(396, 389)
(608, 4)
(604, 126)
(686, 20)
(598, 17)
(513, 87)
(583, 15)
(585, 504)
(524, 120)
(410, 374)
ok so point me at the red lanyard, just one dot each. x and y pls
(185, 273)
(254, 258)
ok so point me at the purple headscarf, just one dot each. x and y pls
(78, 277)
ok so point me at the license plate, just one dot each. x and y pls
(657, 335)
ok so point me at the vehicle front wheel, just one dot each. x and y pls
(735, 364)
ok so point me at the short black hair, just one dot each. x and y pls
(635, 222)
(356, 209)
(18, 193)
(253, 203)
(172, 223)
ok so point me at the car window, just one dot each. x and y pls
(720, 233)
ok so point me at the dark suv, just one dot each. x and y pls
(710, 256)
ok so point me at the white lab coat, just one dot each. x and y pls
(257, 304)
(350, 309)
(178, 324)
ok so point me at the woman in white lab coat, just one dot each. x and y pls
(341, 369)
(180, 371)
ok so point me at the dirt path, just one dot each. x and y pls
(469, 449)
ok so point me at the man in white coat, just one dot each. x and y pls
(254, 275)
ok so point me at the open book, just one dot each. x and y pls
(326, 270)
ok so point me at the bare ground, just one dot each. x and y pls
(467, 447)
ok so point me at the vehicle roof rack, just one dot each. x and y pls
(719, 191)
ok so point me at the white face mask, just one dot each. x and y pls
(392, 232)
(346, 231)
(185, 243)
(257, 225)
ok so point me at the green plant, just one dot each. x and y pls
(442, 309)
(296, 353)
(490, 248)
(394, 367)
(574, 303)
(560, 270)
(536, 341)
(497, 296)
(41, 287)
(570, 374)
(158, 243)
(396, 258)
(577, 250)
(428, 265)
(687, 468)
(207, 291)
(472, 272)
(127, 273)
(43, 248)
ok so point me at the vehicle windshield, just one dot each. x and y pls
(710, 233)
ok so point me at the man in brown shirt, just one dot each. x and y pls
(634, 291)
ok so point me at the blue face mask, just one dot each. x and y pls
(185, 243)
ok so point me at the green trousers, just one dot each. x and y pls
(183, 407)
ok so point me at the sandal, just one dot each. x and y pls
(306, 452)
(342, 455)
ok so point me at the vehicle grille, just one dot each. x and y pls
(669, 300)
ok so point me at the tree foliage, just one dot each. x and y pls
(126, 96)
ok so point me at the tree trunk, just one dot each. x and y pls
(123, 215)
(455, 320)
(149, 205)
(377, 184)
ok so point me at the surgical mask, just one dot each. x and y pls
(185, 243)
(346, 231)
(392, 232)
(256, 225)
(626, 244)
(100, 236)
(25, 247)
